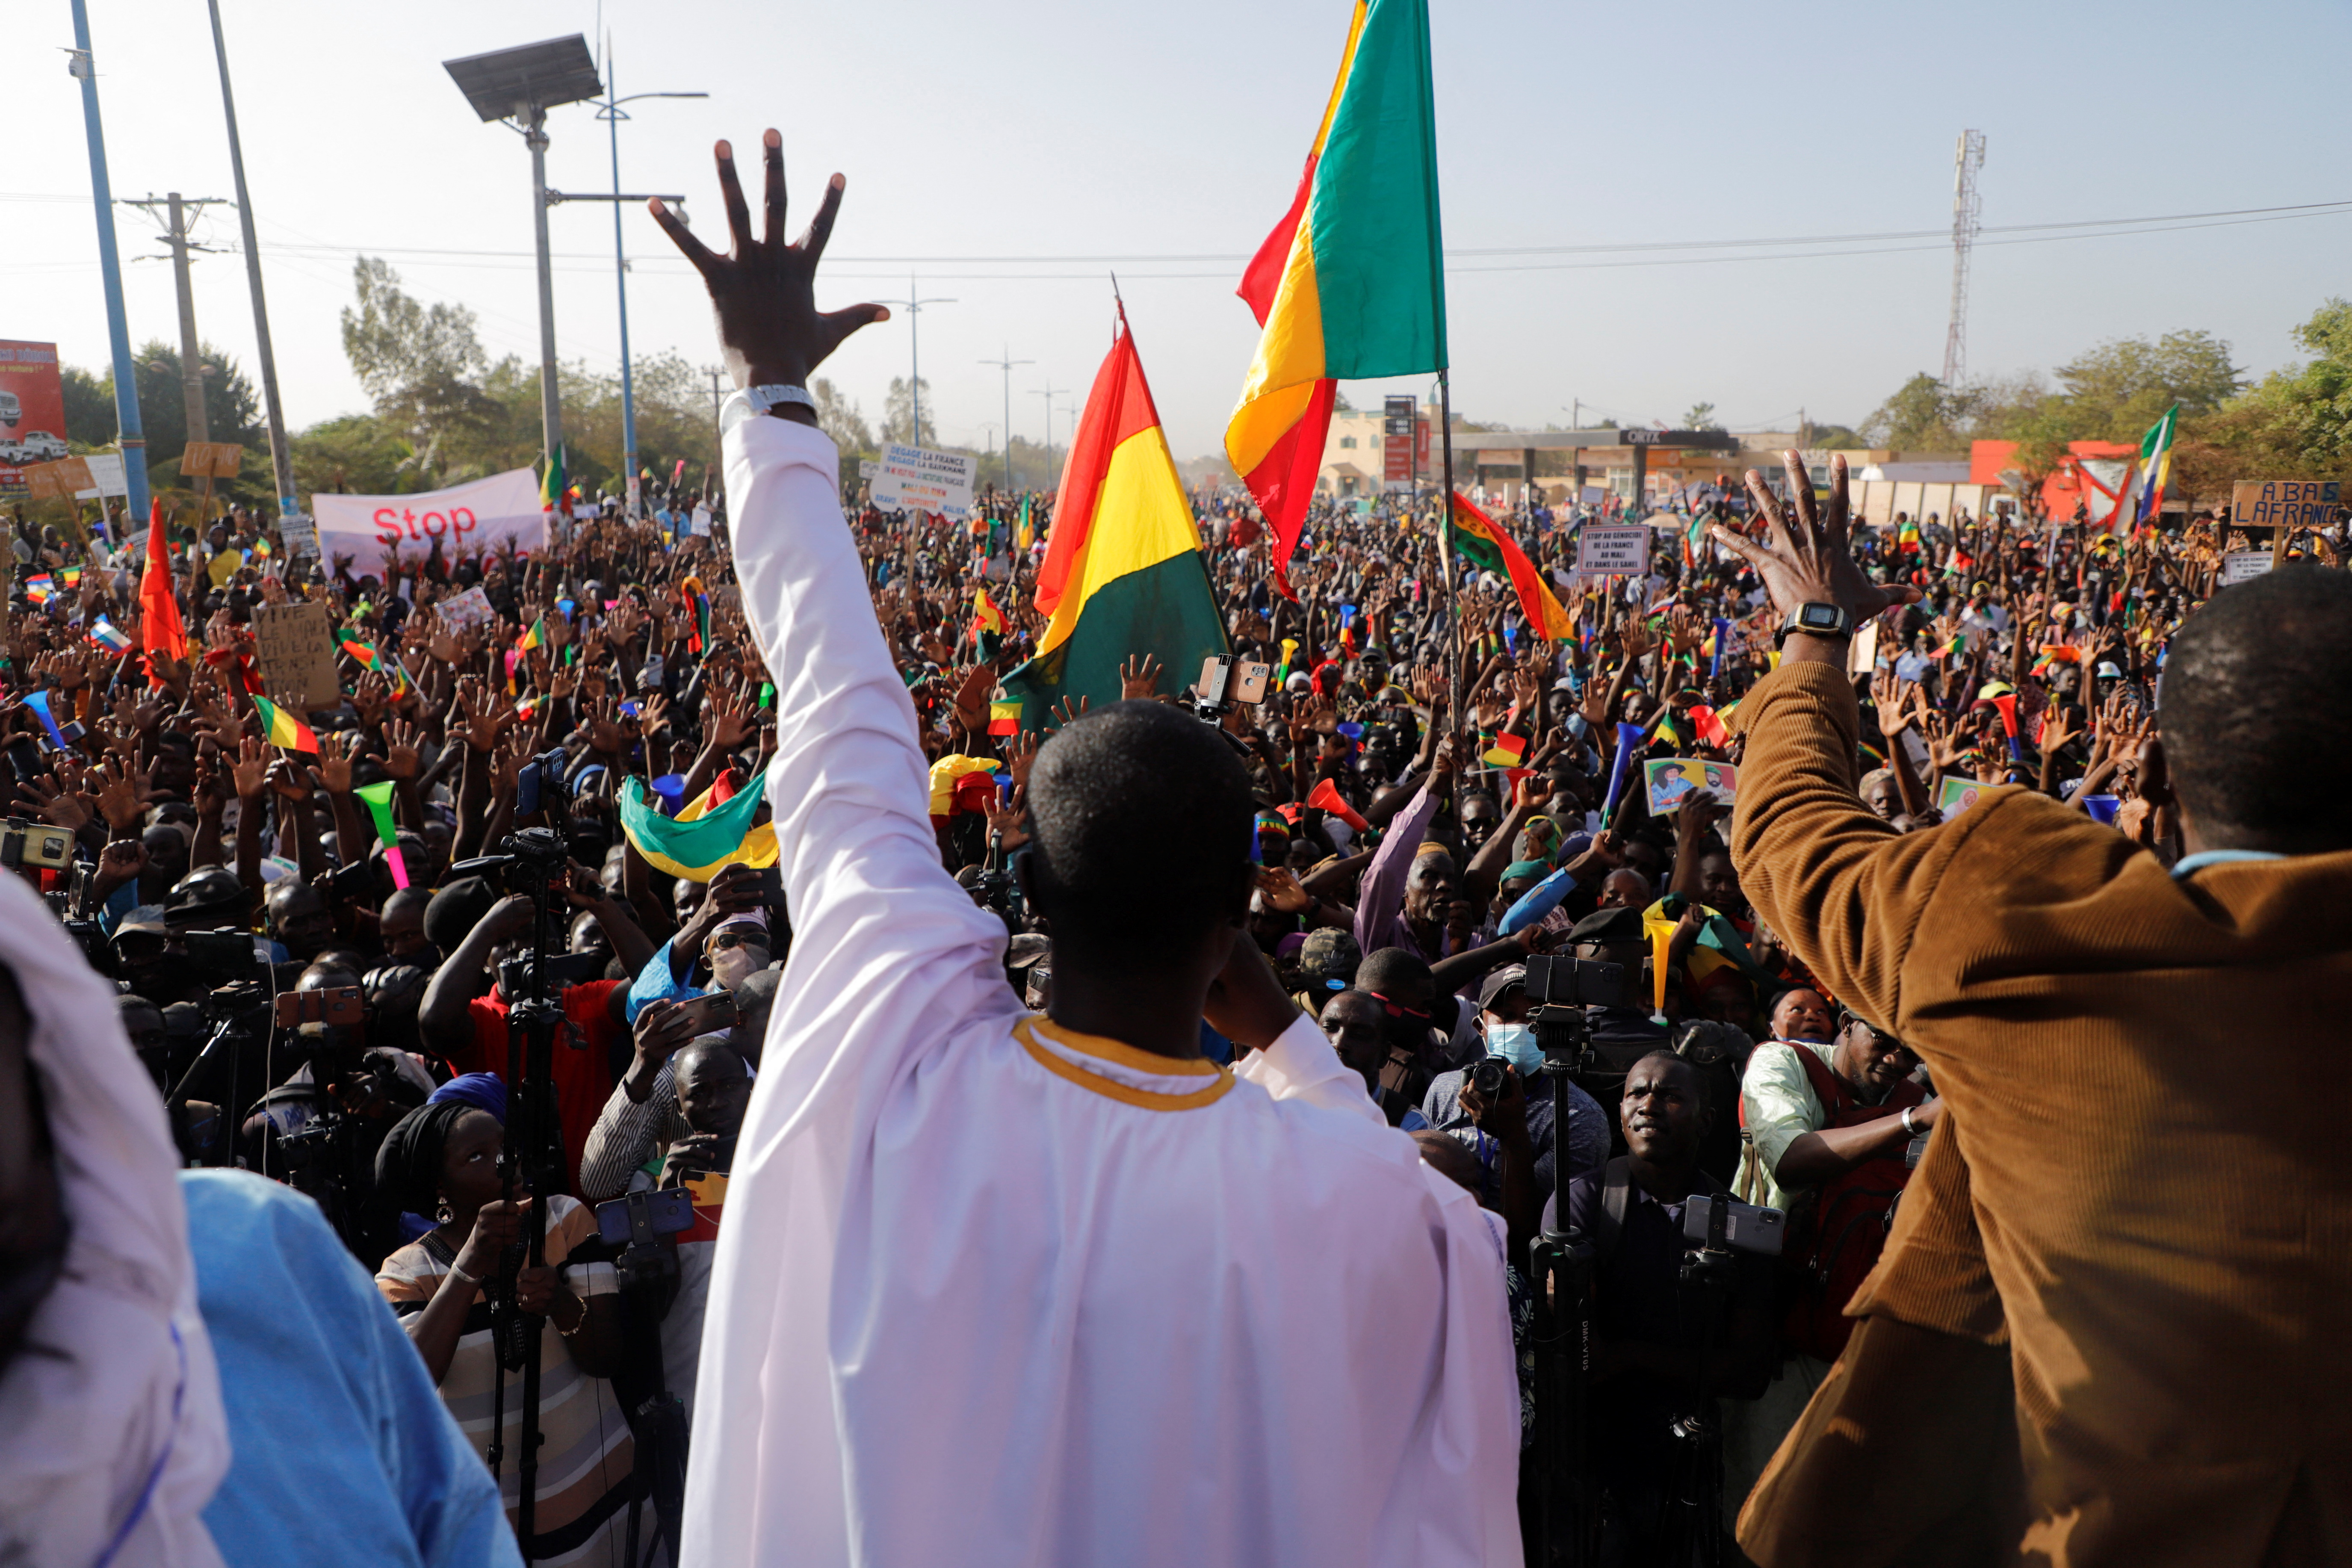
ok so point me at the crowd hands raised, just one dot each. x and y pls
(1410, 862)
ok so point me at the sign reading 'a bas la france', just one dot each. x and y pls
(912, 478)
(2283, 503)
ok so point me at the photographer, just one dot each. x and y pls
(442, 1162)
(470, 1030)
(1660, 1346)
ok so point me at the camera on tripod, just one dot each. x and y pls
(33, 844)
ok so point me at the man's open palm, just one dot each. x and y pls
(764, 292)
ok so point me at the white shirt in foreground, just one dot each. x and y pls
(990, 1292)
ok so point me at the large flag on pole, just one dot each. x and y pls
(1122, 572)
(2156, 465)
(1351, 284)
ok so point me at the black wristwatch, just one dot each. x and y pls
(1817, 620)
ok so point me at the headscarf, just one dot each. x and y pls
(112, 1437)
(482, 1091)
(408, 1164)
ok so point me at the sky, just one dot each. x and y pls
(1008, 158)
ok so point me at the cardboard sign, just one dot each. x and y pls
(217, 460)
(1862, 653)
(2283, 503)
(467, 610)
(295, 647)
(106, 475)
(2244, 565)
(1670, 780)
(914, 479)
(1615, 549)
(298, 533)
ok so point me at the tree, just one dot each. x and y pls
(1923, 414)
(1701, 416)
(90, 407)
(425, 367)
(840, 417)
(353, 455)
(898, 416)
(2295, 424)
(2119, 389)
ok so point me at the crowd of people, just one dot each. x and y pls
(1440, 794)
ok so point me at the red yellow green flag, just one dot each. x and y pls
(1474, 537)
(1122, 572)
(1351, 284)
(279, 728)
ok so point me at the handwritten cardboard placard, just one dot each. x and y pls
(217, 460)
(295, 647)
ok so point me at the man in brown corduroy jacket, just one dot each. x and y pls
(2114, 1322)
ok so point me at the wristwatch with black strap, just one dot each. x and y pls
(1817, 619)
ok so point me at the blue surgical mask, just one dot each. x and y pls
(1516, 1043)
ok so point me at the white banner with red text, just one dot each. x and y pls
(466, 519)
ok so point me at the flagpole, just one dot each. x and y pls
(1444, 542)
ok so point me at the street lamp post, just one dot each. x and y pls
(610, 112)
(1047, 392)
(913, 306)
(132, 437)
(1006, 365)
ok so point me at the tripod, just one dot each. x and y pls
(1690, 1528)
(532, 1159)
(1561, 1265)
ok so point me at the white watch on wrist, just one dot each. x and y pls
(751, 400)
(1909, 1125)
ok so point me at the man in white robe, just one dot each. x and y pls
(1004, 1289)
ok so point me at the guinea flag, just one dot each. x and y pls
(1122, 574)
(1351, 284)
(1504, 750)
(281, 729)
(1473, 537)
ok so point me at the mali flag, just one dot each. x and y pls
(1122, 572)
(282, 730)
(551, 487)
(1351, 284)
(1473, 537)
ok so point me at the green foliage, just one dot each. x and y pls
(90, 408)
(2295, 424)
(898, 416)
(1701, 416)
(232, 413)
(357, 454)
(2118, 390)
(1923, 415)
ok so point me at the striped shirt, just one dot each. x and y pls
(586, 1459)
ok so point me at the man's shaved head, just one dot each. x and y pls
(1142, 821)
(2251, 687)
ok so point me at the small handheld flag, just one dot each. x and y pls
(284, 730)
(110, 637)
(1505, 750)
(1005, 717)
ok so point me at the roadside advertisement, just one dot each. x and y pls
(32, 410)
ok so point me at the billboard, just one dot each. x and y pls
(32, 410)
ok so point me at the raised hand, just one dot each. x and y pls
(1806, 556)
(764, 292)
(333, 773)
(401, 758)
(1138, 676)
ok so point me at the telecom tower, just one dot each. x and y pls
(1966, 210)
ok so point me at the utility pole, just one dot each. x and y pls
(1006, 365)
(1966, 218)
(132, 437)
(717, 405)
(281, 451)
(1047, 393)
(179, 214)
(913, 305)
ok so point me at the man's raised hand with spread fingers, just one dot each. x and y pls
(1807, 558)
(764, 291)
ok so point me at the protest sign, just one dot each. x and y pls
(913, 480)
(466, 519)
(464, 611)
(2285, 506)
(1862, 653)
(298, 533)
(1670, 780)
(106, 477)
(2244, 565)
(295, 647)
(1957, 795)
(211, 459)
(1617, 550)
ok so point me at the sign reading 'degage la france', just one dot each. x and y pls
(465, 520)
(912, 478)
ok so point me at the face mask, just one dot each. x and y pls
(1516, 1043)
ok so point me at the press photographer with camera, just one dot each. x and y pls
(469, 1029)
(442, 1161)
(1664, 1351)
